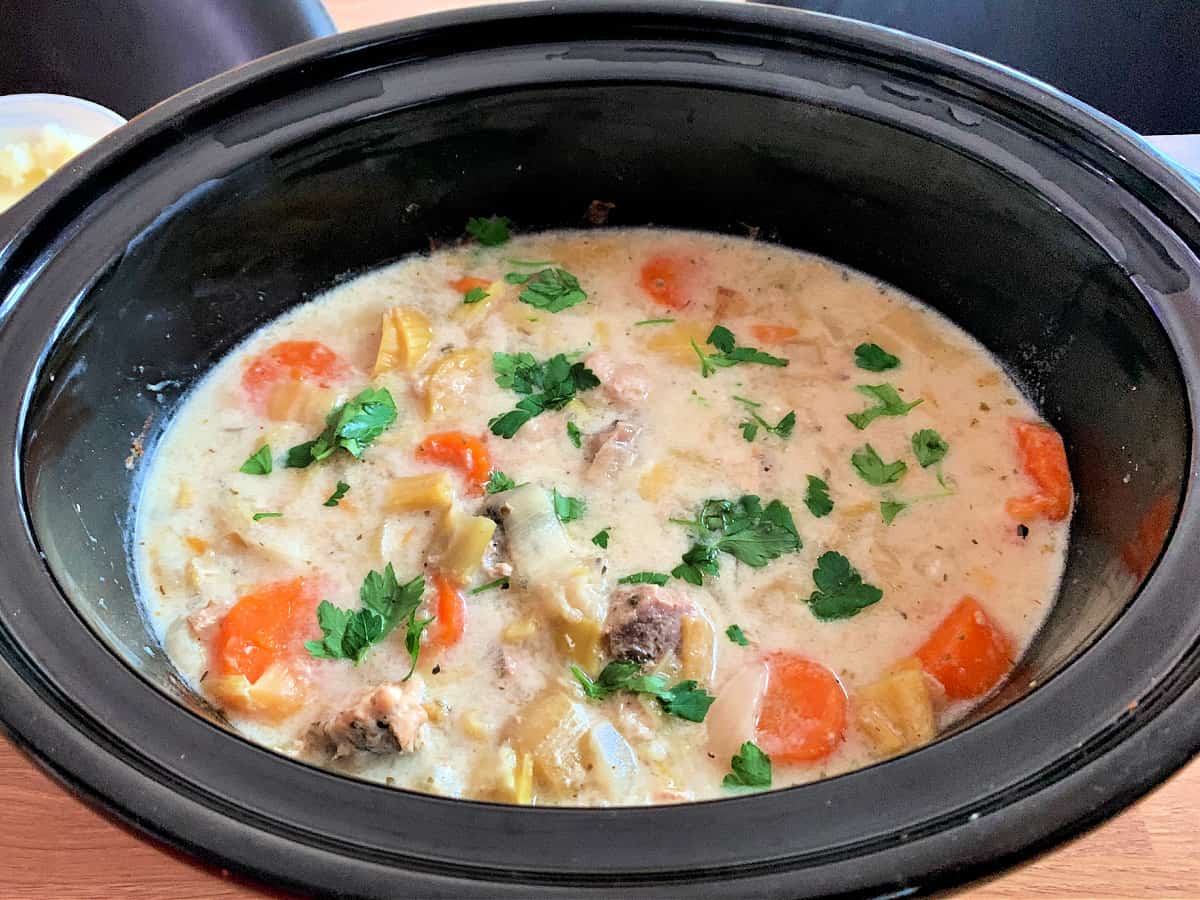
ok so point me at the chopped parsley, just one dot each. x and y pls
(259, 462)
(929, 447)
(338, 494)
(658, 578)
(655, 322)
(568, 509)
(501, 582)
(351, 427)
(729, 354)
(574, 435)
(550, 289)
(258, 517)
(751, 768)
(491, 232)
(841, 592)
(889, 509)
(735, 634)
(873, 469)
(349, 634)
(685, 700)
(600, 538)
(745, 529)
(545, 385)
(816, 497)
(530, 263)
(781, 429)
(874, 358)
(887, 403)
(475, 295)
(498, 482)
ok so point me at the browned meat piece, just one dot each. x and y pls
(643, 623)
(612, 450)
(622, 385)
(386, 719)
(203, 622)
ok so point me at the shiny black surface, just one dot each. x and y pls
(1060, 242)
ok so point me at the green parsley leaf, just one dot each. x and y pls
(889, 509)
(655, 322)
(600, 538)
(549, 385)
(658, 578)
(782, 428)
(551, 289)
(568, 509)
(928, 447)
(684, 700)
(873, 469)
(729, 354)
(342, 489)
(499, 582)
(475, 295)
(498, 482)
(574, 435)
(749, 431)
(841, 592)
(349, 634)
(735, 634)
(352, 427)
(491, 232)
(697, 562)
(530, 263)
(517, 277)
(412, 641)
(816, 497)
(751, 768)
(874, 358)
(258, 517)
(259, 462)
(887, 403)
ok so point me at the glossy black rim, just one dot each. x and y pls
(1057, 761)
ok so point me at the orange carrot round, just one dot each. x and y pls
(803, 714)
(967, 653)
(459, 451)
(266, 626)
(773, 334)
(447, 629)
(467, 283)
(294, 360)
(1044, 459)
(662, 279)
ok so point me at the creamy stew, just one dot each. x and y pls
(608, 517)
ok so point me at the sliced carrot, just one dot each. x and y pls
(1142, 550)
(459, 451)
(967, 653)
(773, 334)
(467, 283)
(447, 630)
(266, 626)
(1044, 459)
(803, 713)
(662, 278)
(292, 360)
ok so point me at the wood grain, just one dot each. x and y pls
(57, 848)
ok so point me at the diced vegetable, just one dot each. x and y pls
(675, 342)
(773, 334)
(463, 452)
(662, 278)
(967, 653)
(697, 649)
(403, 341)
(1044, 459)
(274, 696)
(451, 379)
(611, 760)
(451, 615)
(466, 283)
(417, 493)
(549, 729)
(266, 627)
(297, 401)
(896, 712)
(734, 714)
(463, 540)
(294, 361)
(803, 715)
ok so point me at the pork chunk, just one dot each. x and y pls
(387, 719)
(644, 622)
(612, 450)
(624, 385)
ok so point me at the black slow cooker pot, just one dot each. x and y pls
(1052, 234)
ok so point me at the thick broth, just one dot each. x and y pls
(496, 713)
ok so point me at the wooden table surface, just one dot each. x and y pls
(53, 847)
